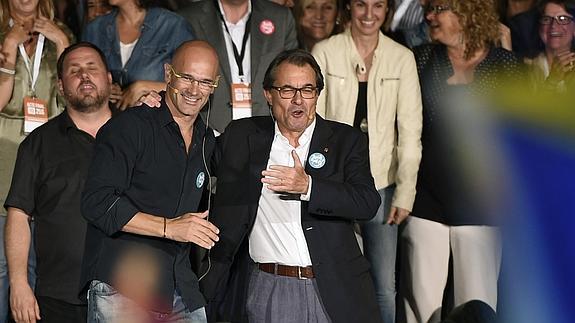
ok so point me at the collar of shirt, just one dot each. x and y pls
(151, 19)
(165, 118)
(302, 140)
(235, 36)
(66, 123)
(242, 22)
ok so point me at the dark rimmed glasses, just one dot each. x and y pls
(560, 20)
(437, 9)
(288, 92)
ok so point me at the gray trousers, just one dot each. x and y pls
(280, 299)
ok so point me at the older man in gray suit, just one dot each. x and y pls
(247, 34)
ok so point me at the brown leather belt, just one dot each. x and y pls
(289, 271)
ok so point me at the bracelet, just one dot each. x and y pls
(7, 71)
(165, 227)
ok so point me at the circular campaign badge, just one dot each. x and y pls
(267, 27)
(316, 160)
(200, 179)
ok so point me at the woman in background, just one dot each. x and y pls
(455, 215)
(371, 83)
(554, 68)
(30, 43)
(137, 39)
(316, 20)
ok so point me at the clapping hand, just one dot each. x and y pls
(50, 30)
(563, 63)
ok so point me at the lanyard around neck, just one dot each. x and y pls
(34, 70)
(238, 55)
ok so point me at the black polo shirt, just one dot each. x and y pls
(48, 179)
(141, 164)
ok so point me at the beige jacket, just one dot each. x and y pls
(394, 111)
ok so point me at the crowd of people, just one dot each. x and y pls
(262, 161)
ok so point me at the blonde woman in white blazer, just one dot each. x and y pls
(363, 59)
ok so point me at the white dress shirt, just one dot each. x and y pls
(237, 32)
(277, 235)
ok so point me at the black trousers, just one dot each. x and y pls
(56, 311)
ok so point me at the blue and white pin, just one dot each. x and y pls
(200, 179)
(316, 160)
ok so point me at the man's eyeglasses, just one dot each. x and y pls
(188, 80)
(288, 92)
(437, 9)
(560, 20)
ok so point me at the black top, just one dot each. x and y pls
(48, 179)
(360, 120)
(141, 164)
(457, 159)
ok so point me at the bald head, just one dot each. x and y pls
(191, 78)
(194, 51)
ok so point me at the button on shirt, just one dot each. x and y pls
(48, 179)
(141, 164)
(277, 235)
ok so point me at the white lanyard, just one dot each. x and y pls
(35, 70)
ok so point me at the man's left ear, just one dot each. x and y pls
(268, 96)
(167, 72)
(110, 80)
(216, 83)
(60, 87)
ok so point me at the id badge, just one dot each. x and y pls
(241, 100)
(35, 113)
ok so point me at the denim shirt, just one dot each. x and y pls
(162, 32)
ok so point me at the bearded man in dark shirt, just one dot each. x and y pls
(48, 179)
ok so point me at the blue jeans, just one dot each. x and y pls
(4, 280)
(380, 248)
(105, 305)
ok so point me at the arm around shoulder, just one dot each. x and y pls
(104, 202)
